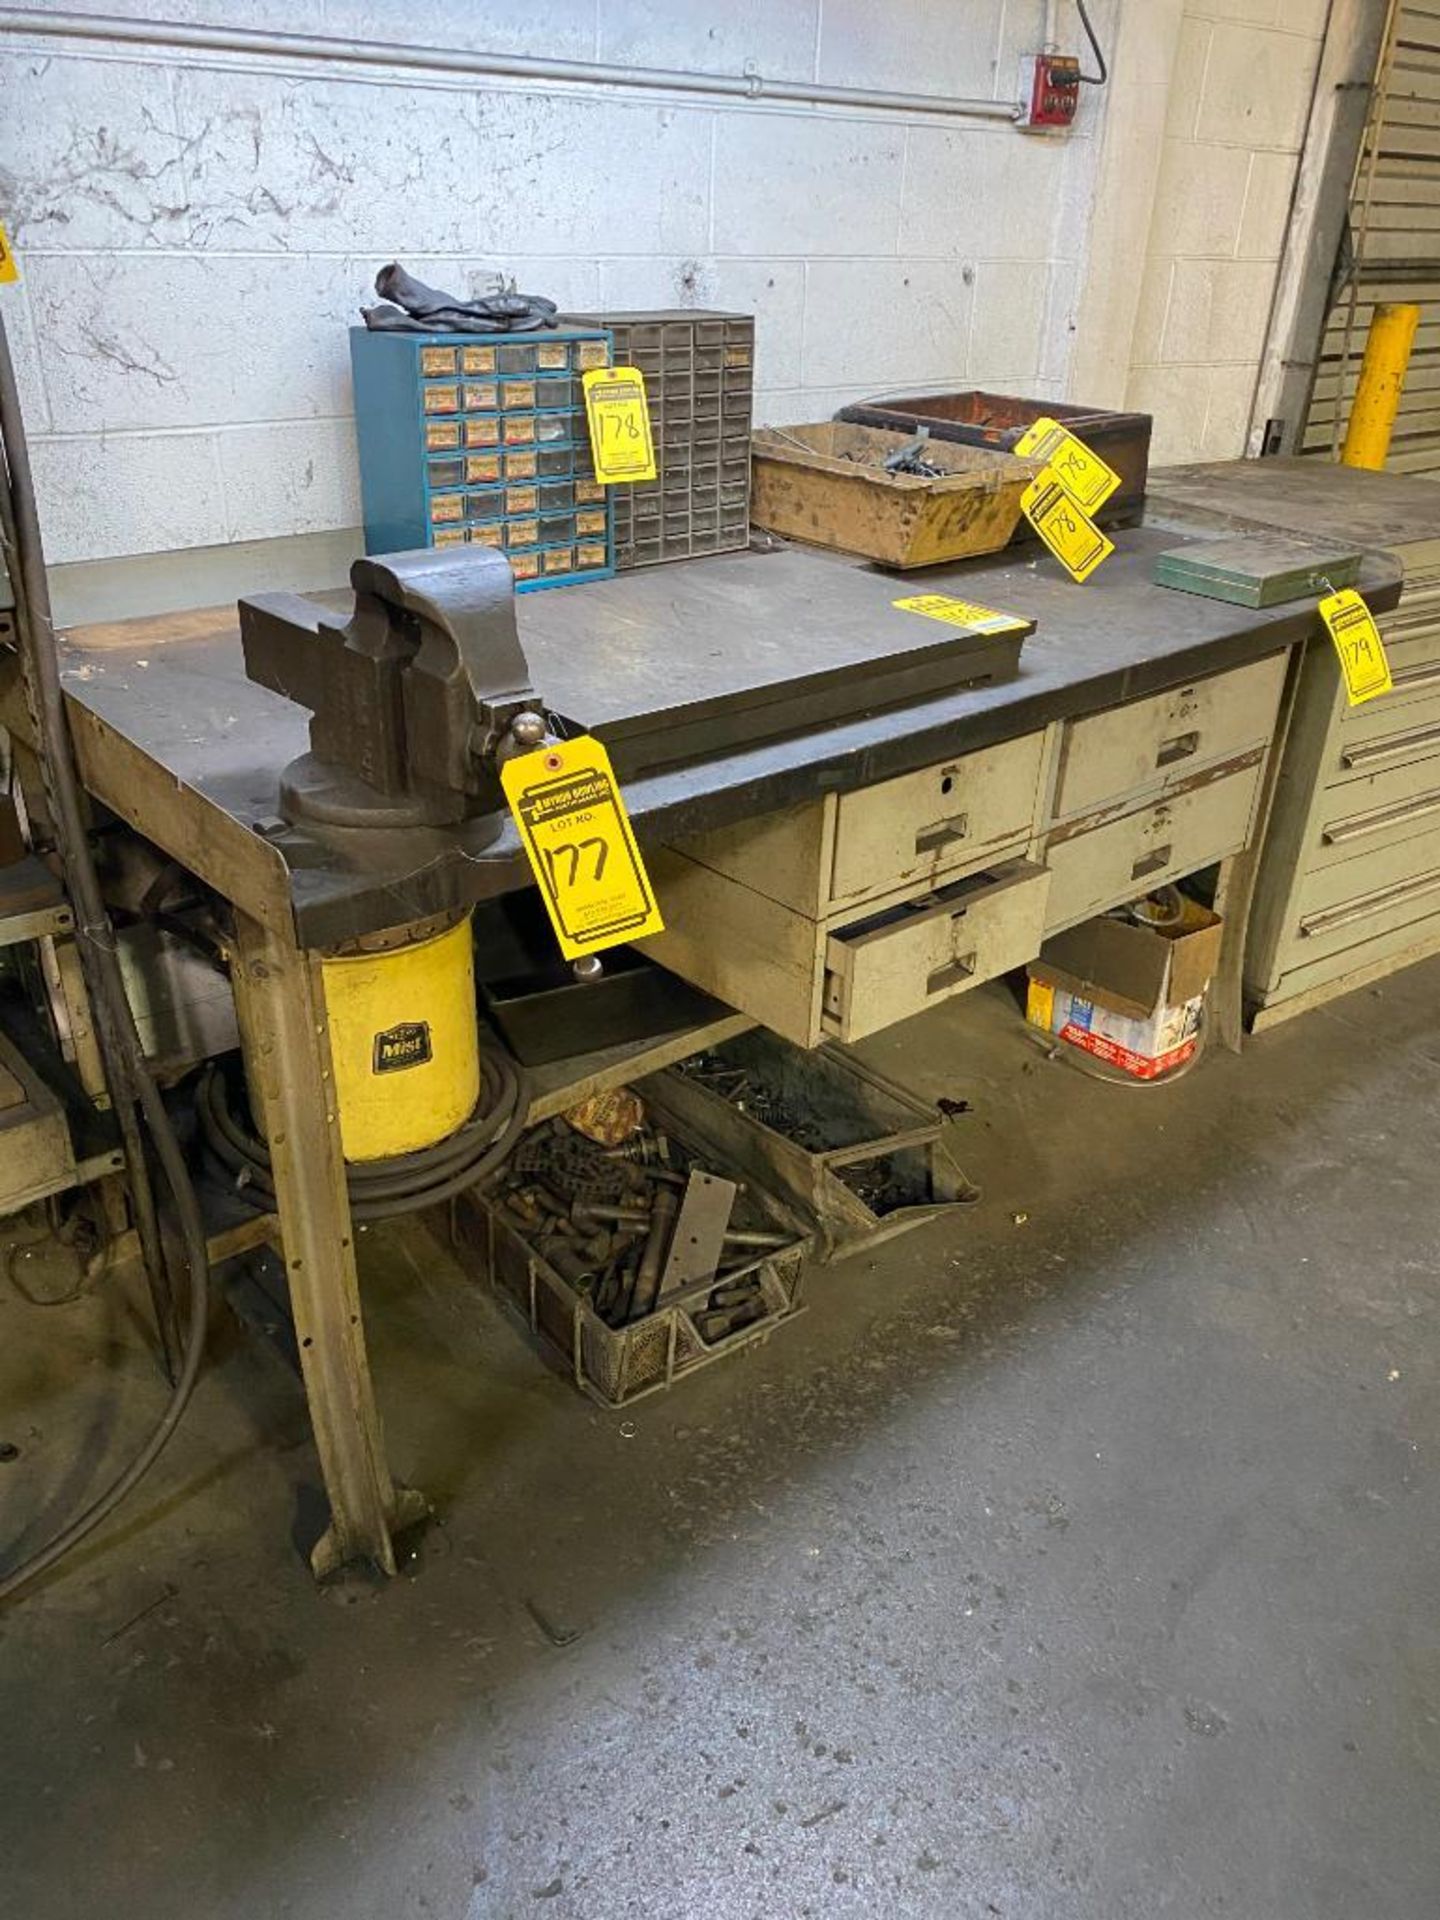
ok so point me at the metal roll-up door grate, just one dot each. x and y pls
(1395, 235)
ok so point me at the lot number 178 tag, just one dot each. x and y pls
(1074, 540)
(621, 445)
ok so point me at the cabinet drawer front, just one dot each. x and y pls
(1370, 907)
(915, 956)
(1371, 869)
(1092, 872)
(1388, 732)
(1396, 802)
(1159, 742)
(923, 824)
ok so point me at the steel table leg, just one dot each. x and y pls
(287, 1056)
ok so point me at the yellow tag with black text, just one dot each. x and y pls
(961, 613)
(621, 445)
(1357, 641)
(1083, 474)
(575, 830)
(9, 267)
(1064, 527)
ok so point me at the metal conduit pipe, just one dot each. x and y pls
(509, 66)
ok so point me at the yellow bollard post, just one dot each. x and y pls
(1377, 394)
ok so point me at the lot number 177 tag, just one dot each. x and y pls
(578, 838)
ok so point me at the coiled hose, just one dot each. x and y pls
(380, 1188)
(134, 1094)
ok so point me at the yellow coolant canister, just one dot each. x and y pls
(404, 1037)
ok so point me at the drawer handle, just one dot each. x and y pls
(1149, 863)
(1386, 749)
(1362, 823)
(1368, 904)
(1180, 748)
(944, 834)
(951, 975)
(1427, 674)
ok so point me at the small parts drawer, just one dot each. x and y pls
(913, 956)
(923, 824)
(1106, 866)
(1161, 741)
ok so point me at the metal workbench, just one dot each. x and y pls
(172, 737)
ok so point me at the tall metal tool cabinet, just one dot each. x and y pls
(1349, 882)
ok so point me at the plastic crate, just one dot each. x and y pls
(616, 1365)
(455, 431)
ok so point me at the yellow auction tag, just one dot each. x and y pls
(9, 268)
(1083, 474)
(1357, 641)
(1075, 543)
(619, 416)
(575, 829)
(961, 613)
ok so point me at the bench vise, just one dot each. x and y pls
(415, 700)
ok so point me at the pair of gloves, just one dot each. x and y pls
(409, 306)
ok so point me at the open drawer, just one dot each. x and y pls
(910, 957)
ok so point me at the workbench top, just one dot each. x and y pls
(1307, 496)
(169, 694)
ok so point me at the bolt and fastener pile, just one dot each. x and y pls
(639, 1226)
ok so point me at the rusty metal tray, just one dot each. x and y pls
(826, 483)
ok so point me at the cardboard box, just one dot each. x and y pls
(1133, 996)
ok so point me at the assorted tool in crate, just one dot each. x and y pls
(638, 1225)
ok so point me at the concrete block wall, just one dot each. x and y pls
(197, 229)
(1235, 123)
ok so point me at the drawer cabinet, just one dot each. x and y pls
(891, 838)
(1349, 884)
(1160, 742)
(1095, 870)
(913, 956)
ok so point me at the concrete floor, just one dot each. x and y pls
(1079, 1558)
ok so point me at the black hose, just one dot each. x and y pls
(1092, 79)
(381, 1188)
(126, 1069)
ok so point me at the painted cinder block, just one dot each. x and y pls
(1257, 87)
(300, 166)
(802, 183)
(89, 154)
(127, 493)
(772, 290)
(981, 193)
(912, 46)
(298, 477)
(560, 174)
(132, 341)
(1008, 321)
(896, 320)
(778, 41)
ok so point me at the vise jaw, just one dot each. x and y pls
(415, 700)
